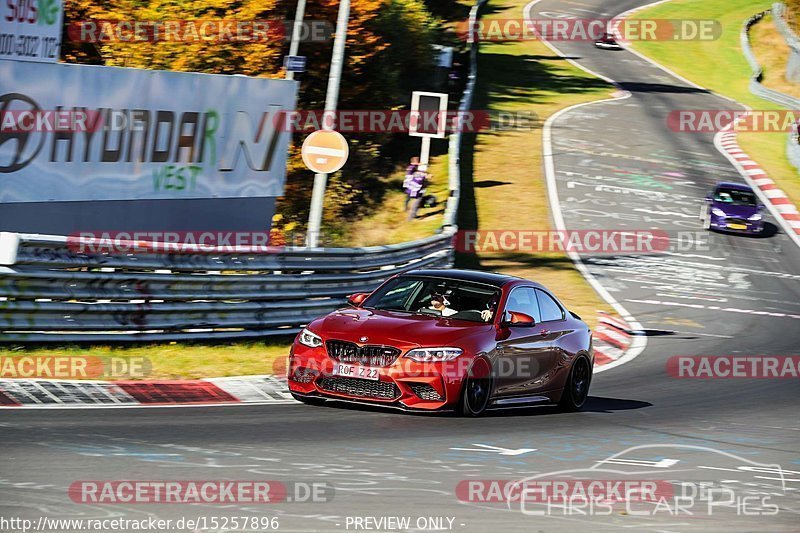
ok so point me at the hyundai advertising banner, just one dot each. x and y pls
(89, 133)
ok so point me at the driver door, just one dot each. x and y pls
(525, 353)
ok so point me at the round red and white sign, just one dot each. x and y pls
(325, 151)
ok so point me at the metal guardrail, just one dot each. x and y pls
(50, 291)
(454, 153)
(757, 88)
(791, 40)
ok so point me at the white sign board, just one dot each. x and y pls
(430, 111)
(30, 30)
(146, 134)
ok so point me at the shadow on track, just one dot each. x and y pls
(594, 404)
(639, 87)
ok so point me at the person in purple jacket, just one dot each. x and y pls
(410, 170)
(416, 186)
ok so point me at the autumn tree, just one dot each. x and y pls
(389, 53)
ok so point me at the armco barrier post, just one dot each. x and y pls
(9, 244)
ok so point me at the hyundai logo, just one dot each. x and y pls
(23, 151)
(363, 339)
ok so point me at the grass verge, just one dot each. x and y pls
(772, 53)
(719, 65)
(178, 360)
(388, 225)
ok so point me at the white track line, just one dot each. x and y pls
(639, 342)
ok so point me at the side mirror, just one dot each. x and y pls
(761, 207)
(708, 198)
(357, 299)
(517, 319)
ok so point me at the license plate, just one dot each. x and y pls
(356, 371)
(737, 226)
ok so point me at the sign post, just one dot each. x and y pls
(297, 29)
(331, 103)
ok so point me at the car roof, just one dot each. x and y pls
(477, 276)
(731, 185)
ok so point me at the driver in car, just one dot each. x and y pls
(488, 313)
(440, 303)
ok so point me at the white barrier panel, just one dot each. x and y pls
(80, 132)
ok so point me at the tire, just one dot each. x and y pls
(308, 400)
(577, 388)
(477, 390)
(705, 216)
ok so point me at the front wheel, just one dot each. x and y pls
(477, 390)
(577, 388)
(705, 217)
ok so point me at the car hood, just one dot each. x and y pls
(740, 211)
(394, 328)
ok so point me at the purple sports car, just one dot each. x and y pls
(732, 207)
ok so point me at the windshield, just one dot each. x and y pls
(460, 300)
(735, 197)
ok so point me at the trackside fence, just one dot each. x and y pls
(757, 88)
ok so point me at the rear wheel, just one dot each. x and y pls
(577, 388)
(477, 389)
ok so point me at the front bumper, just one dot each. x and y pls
(736, 225)
(405, 383)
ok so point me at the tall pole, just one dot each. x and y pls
(331, 103)
(296, 31)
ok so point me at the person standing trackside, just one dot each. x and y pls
(410, 170)
(415, 190)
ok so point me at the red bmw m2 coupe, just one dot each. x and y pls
(446, 340)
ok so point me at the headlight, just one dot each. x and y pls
(429, 355)
(755, 217)
(312, 340)
(718, 212)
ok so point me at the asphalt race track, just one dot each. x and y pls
(640, 422)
